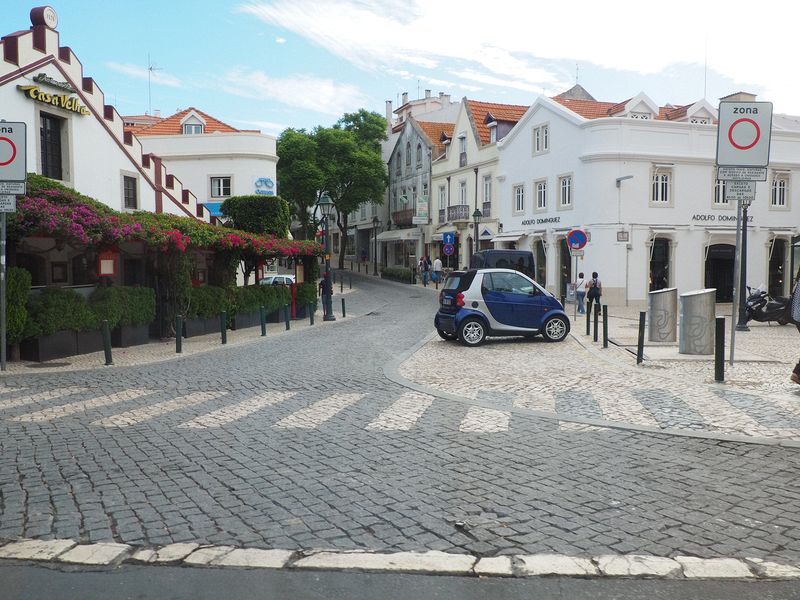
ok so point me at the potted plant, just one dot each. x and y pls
(202, 316)
(305, 295)
(128, 310)
(56, 317)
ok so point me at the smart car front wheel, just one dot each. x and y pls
(555, 329)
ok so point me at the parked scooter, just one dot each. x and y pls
(762, 307)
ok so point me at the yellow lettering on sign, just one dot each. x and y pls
(60, 100)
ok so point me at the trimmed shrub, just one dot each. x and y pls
(57, 309)
(19, 285)
(400, 274)
(124, 305)
(208, 301)
(306, 294)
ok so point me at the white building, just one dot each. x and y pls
(641, 181)
(210, 157)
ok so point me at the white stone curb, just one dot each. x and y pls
(434, 562)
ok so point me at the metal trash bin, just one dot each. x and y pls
(696, 323)
(663, 315)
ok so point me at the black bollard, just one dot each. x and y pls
(262, 313)
(344, 313)
(341, 285)
(719, 350)
(178, 334)
(223, 326)
(596, 318)
(640, 343)
(312, 308)
(350, 283)
(286, 313)
(106, 341)
(605, 325)
(588, 321)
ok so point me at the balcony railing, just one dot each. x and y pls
(403, 218)
(487, 209)
(459, 212)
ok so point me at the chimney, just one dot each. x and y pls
(405, 97)
(441, 94)
(389, 111)
(427, 94)
(157, 113)
(446, 99)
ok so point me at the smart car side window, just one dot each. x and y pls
(518, 284)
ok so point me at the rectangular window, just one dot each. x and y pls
(565, 191)
(462, 152)
(662, 187)
(50, 130)
(487, 188)
(541, 139)
(719, 193)
(129, 192)
(442, 197)
(462, 192)
(541, 195)
(779, 190)
(492, 134)
(192, 128)
(220, 187)
(519, 198)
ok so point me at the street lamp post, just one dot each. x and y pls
(376, 222)
(476, 216)
(325, 206)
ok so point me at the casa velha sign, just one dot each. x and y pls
(34, 92)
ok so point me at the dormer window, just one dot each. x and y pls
(192, 128)
(492, 131)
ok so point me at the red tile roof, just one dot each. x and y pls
(510, 113)
(588, 109)
(434, 133)
(172, 125)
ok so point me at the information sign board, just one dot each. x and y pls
(8, 204)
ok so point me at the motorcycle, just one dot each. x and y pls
(763, 308)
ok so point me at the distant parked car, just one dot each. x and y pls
(478, 303)
(277, 280)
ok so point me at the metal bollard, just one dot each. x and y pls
(588, 321)
(596, 317)
(719, 350)
(312, 308)
(350, 283)
(344, 313)
(341, 285)
(286, 315)
(104, 328)
(178, 334)
(333, 277)
(605, 325)
(223, 326)
(640, 343)
(262, 313)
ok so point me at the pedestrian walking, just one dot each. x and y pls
(795, 317)
(437, 269)
(594, 289)
(424, 269)
(580, 293)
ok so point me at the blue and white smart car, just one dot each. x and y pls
(478, 303)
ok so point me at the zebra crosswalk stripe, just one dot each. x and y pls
(40, 397)
(403, 414)
(319, 412)
(63, 410)
(228, 414)
(138, 415)
(485, 420)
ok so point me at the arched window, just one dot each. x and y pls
(408, 154)
(419, 155)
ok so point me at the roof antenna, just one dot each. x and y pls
(705, 68)
(577, 70)
(151, 68)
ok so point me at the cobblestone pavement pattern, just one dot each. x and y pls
(301, 441)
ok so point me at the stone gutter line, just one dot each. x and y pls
(430, 562)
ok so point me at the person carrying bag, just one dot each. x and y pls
(594, 290)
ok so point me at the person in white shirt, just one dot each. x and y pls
(437, 269)
(580, 293)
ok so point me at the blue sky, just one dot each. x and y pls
(272, 64)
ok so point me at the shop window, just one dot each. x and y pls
(220, 187)
(51, 129)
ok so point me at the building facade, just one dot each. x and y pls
(641, 181)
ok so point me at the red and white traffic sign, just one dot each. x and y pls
(743, 134)
(12, 152)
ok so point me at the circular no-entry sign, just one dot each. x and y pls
(8, 151)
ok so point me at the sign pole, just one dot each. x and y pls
(737, 271)
(3, 322)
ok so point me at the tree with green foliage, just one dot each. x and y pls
(299, 175)
(369, 127)
(257, 214)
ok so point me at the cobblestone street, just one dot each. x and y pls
(368, 433)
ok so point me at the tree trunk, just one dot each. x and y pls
(343, 241)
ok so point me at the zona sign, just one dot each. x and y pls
(743, 134)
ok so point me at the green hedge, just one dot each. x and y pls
(57, 309)
(19, 285)
(398, 274)
(306, 294)
(124, 305)
(249, 298)
(208, 302)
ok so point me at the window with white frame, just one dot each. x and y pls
(565, 191)
(462, 192)
(719, 193)
(487, 188)
(220, 187)
(442, 197)
(130, 192)
(661, 193)
(541, 194)
(519, 198)
(192, 128)
(779, 193)
(492, 132)
(541, 139)
(363, 211)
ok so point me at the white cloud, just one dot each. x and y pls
(157, 77)
(510, 41)
(269, 127)
(321, 95)
(280, 40)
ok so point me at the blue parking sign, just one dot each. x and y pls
(449, 237)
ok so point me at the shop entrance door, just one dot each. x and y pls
(659, 264)
(719, 270)
(565, 271)
(777, 266)
(540, 258)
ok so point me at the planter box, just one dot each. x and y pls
(124, 336)
(244, 320)
(277, 316)
(194, 326)
(89, 341)
(49, 347)
(301, 312)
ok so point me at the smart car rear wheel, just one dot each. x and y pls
(555, 329)
(472, 332)
(445, 335)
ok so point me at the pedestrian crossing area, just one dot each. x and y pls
(295, 410)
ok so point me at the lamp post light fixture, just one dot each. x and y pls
(476, 216)
(325, 206)
(376, 222)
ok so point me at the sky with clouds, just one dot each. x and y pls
(272, 64)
